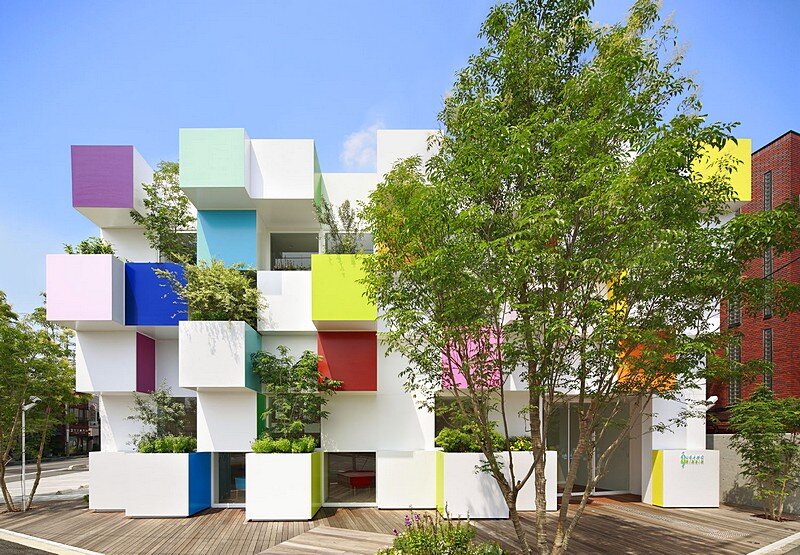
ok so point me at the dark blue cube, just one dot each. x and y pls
(149, 298)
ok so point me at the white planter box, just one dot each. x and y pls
(283, 486)
(168, 484)
(685, 478)
(468, 492)
(109, 481)
(405, 479)
(217, 354)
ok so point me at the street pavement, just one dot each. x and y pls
(61, 479)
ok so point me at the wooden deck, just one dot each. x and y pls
(332, 541)
(610, 525)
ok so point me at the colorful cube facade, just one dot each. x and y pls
(377, 444)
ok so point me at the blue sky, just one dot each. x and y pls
(135, 72)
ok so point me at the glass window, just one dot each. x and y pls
(292, 251)
(768, 263)
(351, 477)
(767, 336)
(230, 478)
(735, 385)
(364, 243)
(768, 191)
(734, 312)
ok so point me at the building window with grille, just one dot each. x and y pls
(735, 384)
(734, 312)
(767, 336)
(768, 191)
(768, 263)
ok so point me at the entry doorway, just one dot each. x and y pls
(350, 479)
(229, 485)
(562, 437)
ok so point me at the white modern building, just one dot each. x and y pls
(254, 201)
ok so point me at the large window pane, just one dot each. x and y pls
(230, 478)
(351, 477)
(292, 251)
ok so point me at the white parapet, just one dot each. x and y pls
(168, 484)
(109, 481)
(685, 478)
(465, 491)
(283, 486)
(405, 479)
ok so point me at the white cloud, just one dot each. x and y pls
(359, 148)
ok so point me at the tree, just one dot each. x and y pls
(561, 234)
(297, 393)
(344, 227)
(767, 438)
(168, 215)
(160, 414)
(214, 291)
(36, 359)
(91, 245)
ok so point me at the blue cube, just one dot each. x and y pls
(149, 298)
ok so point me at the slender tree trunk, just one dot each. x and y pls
(561, 538)
(539, 477)
(6, 456)
(39, 458)
(514, 516)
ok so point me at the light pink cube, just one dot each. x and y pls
(85, 287)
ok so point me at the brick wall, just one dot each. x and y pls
(782, 158)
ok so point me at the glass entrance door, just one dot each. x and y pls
(562, 437)
(229, 480)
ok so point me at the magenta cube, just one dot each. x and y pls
(85, 287)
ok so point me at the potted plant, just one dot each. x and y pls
(166, 460)
(465, 487)
(285, 470)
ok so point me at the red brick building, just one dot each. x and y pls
(775, 180)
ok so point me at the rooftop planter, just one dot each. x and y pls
(283, 486)
(167, 484)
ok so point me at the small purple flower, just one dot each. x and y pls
(395, 532)
(408, 521)
(416, 517)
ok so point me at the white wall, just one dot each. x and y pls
(295, 342)
(142, 173)
(167, 367)
(105, 361)
(109, 481)
(226, 420)
(282, 168)
(374, 422)
(115, 428)
(394, 144)
(405, 479)
(162, 485)
(355, 187)
(130, 244)
(211, 354)
(288, 297)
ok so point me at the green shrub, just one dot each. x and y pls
(432, 535)
(520, 443)
(305, 444)
(91, 245)
(167, 444)
(466, 439)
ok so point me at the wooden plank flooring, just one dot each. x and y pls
(329, 540)
(613, 525)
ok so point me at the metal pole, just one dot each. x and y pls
(23, 460)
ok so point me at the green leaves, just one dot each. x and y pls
(218, 292)
(296, 391)
(91, 245)
(767, 438)
(168, 219)
(162, 416)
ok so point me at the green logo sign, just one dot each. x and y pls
(691, 459)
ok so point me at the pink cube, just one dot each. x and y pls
(85, 287)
